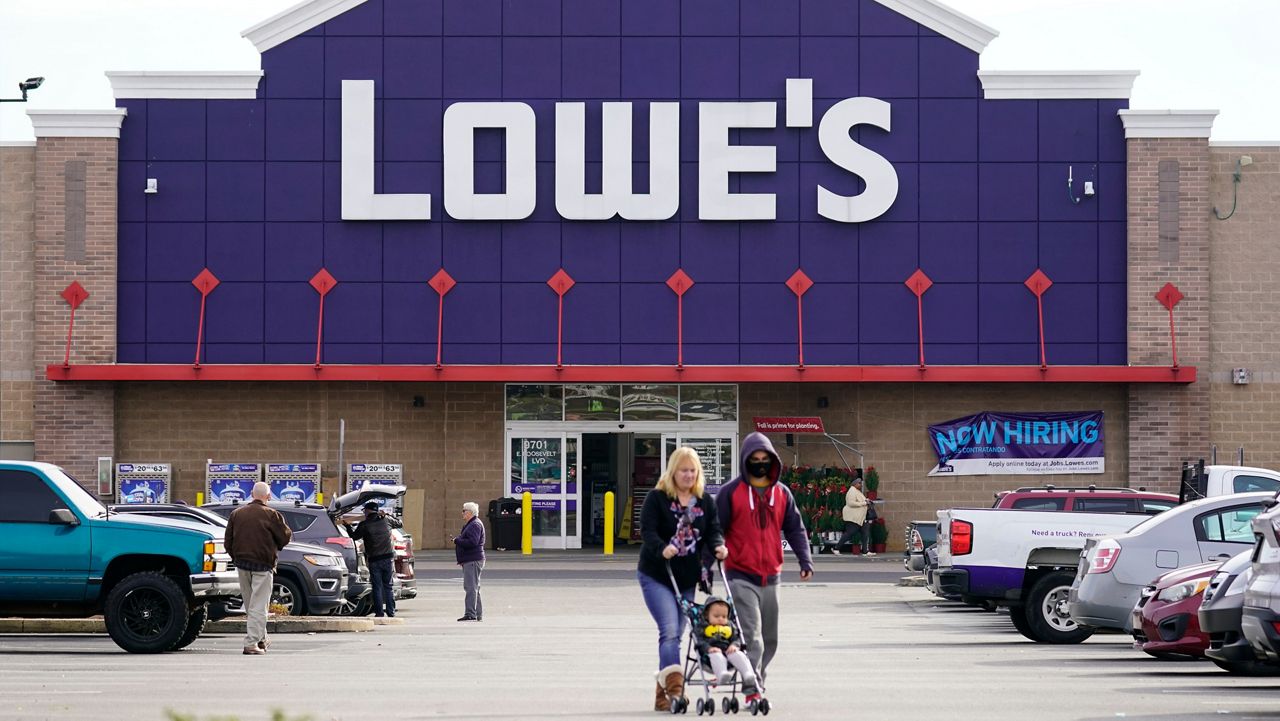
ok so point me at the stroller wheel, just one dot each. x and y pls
(725, 705)
(764, 706)
(677, 705)
(734, 704)
(700, 706)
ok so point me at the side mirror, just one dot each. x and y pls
(63, 517)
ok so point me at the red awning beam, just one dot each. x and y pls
(626, 374)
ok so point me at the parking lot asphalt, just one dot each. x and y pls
(572, 649)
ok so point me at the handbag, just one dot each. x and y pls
(871, 511)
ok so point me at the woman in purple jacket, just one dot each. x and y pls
(468, 546)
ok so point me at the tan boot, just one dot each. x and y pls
(672, 678)
(660, 700)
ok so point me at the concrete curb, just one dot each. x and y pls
(912, 581)
(279, 625)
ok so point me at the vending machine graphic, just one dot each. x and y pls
(143, 482)
(294, 482)
(231, 482)
(389, 474)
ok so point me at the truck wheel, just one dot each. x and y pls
(1018, 614)
(195, 626)
(1047, 615)
(146, 613)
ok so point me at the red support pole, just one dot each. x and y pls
(799, 283)
(441, 283)
(200, 331)
(1038, 283)
(440, 333)
(680, 332)
(559, 333)
(800, 326)
(920, 326)
(919, 282)
(1173, 339)
(74, 294)
(320, 331)
(1040, 312)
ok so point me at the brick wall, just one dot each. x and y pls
(1244, 314)
(1167, 424)
(17, 283)
(74, 423)
(451, 447)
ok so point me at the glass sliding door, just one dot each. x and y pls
(548, 466)
(717, 452)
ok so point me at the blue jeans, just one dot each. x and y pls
(661, 600)
(380, 575)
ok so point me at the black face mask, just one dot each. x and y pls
(759, 469)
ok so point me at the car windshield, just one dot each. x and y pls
(79, 497)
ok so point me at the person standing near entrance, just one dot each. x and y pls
(678, 521)
(255, 534)
(379, 554)
(468, 547)
(854, 515)
(757, 513)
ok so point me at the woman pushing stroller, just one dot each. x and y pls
(677, 523)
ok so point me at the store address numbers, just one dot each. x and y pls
(717, 160)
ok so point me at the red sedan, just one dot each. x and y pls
(1165, 624)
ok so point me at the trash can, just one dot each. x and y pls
(504, 523)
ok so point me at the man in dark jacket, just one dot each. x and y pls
(379, 554)
(468, 546)
(756, 513)
(255, 534)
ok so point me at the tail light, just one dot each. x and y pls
(1103, 556)
(961, 538)
(917, 543)
(341, 541)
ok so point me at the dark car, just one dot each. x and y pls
(313, 523)
(1219, 615)
(920, 535)
(309, 579)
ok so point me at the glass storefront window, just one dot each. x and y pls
(535, 403)
(708, 403)
(650, 403)
(592, 403)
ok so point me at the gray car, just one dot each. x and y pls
(1114, 569)
(1260, 614)
(309, 579)
(1219, 618)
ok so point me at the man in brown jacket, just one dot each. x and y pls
(255, 534)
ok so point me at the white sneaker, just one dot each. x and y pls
(869, 554)
(835, 552)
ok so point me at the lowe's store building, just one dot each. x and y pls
(490, 246)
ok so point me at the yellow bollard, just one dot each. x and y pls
(320, 498)
(199, 498)
(608, 523)
(526, 523)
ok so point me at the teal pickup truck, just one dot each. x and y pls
(63, 555)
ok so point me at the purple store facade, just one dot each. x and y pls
(535, 244)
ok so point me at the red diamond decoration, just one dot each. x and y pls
(323, 282)
(1038, 283)
(205, 282)
(560, 282)
(799, 283)
(75, 294)
(1169, 296)
(919, 282)
(680, 282)
(442, 282)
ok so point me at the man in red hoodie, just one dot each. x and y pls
(756, 513)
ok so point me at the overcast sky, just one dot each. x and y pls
(1193, 54)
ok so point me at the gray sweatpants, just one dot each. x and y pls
(255, 591)
(471, 584)
(757, 610)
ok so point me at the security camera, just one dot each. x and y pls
(622, 425)
(30, 84)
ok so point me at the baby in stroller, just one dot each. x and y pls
(716, 637)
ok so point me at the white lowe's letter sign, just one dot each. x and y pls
(717, 160)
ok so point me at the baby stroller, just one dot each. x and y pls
(697, 671)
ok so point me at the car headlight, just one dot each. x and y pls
(321, 560)
(1173, 594)
(1241, 582)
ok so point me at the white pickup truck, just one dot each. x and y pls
(1027, 559)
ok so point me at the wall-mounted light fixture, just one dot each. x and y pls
(1090, 187)
(1242, 161)
(24, 87)
(153, 186)
(419, 402)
